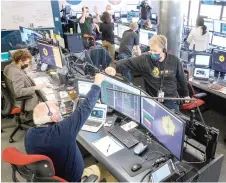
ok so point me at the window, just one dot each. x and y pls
(193, 12)
(224, 13)
(211, 11)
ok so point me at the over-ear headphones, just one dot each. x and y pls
(163, 44)
(49, 113)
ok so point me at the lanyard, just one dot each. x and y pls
(162, 75)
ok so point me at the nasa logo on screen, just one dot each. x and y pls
(74, 2)
(115, 2)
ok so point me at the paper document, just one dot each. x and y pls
(129, 126)
(108, 146)
(51, 97)
(47, 91)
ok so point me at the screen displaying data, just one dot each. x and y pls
(219, 61)
(29, 36)
(202, 60)
(145, 36)
(219, 40)
(168, 129)
(208, 23)
(126, 104)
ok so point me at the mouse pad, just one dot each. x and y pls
(153, 152)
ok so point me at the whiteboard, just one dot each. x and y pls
(22, 13)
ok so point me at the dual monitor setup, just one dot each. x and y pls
(203, 64)
(144, 35)
(49, 54)
(165, 127)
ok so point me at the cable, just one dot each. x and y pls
(142, 179)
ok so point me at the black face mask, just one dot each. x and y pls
(24, 66)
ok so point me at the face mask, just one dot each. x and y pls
(24, 66)
(155, 57)
(109, 11)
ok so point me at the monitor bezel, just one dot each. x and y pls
(134, 94)
(84, 80)
(212, 63)
(201, 66)
(176, 116)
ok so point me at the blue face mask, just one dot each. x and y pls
(155, 57)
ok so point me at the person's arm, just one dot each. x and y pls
(190, 37)
(97, 14)
(134, 64)
(19, 88)
(76, 120)
(181, 79)
(137, 43)
(97, 27)
(83, 18)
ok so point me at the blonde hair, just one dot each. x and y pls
(133, 26)
(159, 40)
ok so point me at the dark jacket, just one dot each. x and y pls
(58, 140)
(151, 72)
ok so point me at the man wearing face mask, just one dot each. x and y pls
(109, 10)
(56, 137)
(161, 71)
(19, 83)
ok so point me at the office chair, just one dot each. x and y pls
(8, 109)
(34, 168)
(99, 57)
(192, 105)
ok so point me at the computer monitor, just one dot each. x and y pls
(209, 23)
(78, 15)
(220, 26)
(4, 57)
(50, 55)
(145, 36)
(121, 29)
(219, 40)
(29, 36)
(202, 60)
(219, 60)
(83, 86)
(117, 15)
(154, 16)
(167, 128)
(126, 104)
(132, 14)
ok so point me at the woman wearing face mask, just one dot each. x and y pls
(161, 71)
(18, 82)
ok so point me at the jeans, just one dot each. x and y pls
(171, 104)
(127, 74)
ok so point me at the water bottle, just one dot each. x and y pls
(62, 108)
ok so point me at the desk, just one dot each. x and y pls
(114, 162)
(204, 87)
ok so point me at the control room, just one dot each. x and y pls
(113, 91)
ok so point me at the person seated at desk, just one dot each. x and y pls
(56, 137)
(107, 29)
(86, 21)
(129, 39)
(198, 38)
(161, 71)
(19, 83)
(147, 24)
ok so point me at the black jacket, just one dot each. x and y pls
(153, 70)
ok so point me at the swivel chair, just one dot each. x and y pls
(8, 109)
(34, 168)
(187, 107)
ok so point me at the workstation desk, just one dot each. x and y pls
(214, 98)
(116, 163)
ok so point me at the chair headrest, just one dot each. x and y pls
(15, 157)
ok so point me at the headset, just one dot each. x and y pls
(49, 113)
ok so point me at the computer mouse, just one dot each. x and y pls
(136, 167)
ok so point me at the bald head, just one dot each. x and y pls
(41, 114)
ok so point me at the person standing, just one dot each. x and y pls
(107, 29)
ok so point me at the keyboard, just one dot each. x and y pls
(123, 136)
(92, 123)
